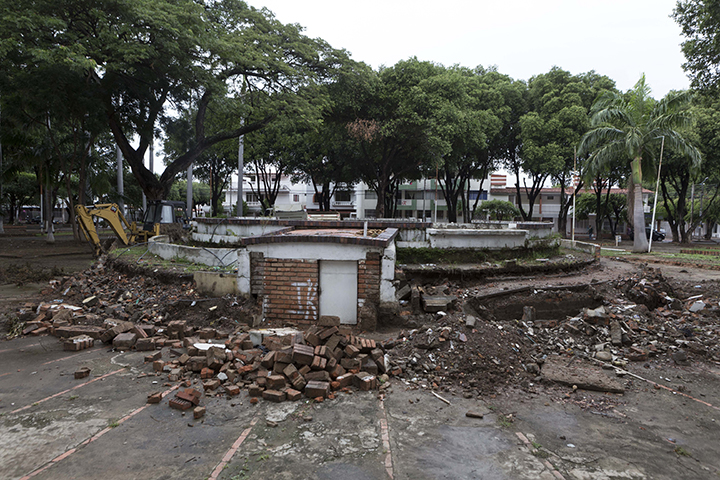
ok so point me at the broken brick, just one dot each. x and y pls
(274, 395)
(155, 397)
(317, 389)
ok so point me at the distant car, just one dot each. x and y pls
(657, 235)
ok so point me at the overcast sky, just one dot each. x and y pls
(618, 38)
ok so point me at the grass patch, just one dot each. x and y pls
(114, 424)
(504, 421)
(454, 256)
(682, 452)
(140, 255)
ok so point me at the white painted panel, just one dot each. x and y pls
(338, 289)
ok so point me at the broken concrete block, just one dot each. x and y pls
(470, 321)
(588, 377)
(404, 293)
(82, 372)
(437, 303)
(615, 333)
(198, 412)
(90, 301)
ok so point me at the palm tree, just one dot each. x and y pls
(631, 126)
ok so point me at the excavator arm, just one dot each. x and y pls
(111, 213)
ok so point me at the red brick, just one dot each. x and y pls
(274, 395)
(154, 397)
(317, 389)
(180, 404)
(254, 390)
(232, 390)
(190, 394)
(275, 382)
(293, 394)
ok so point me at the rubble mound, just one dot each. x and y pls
(648, 288)
(450, 356)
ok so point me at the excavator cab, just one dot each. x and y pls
(164, 211)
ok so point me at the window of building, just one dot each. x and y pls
(413, 195)
(474, 194)
(296, 198)
(440, 214)
(550, 197)
(342, 196)
(252, 198)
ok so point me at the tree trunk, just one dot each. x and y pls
(640, 242)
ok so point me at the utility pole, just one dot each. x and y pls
(120, 181)
(574, 195)
(692, 209)
(189, 197)
(657, 189)
(241, 169)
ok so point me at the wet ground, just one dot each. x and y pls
(52, 426)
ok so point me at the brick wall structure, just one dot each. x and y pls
(369, 280)
(257, 266)
(290, 290)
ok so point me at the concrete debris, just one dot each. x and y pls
(579, 375)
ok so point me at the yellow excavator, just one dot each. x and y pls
(158, 212)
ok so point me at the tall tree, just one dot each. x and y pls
(559, 104)
(700, 23)
(632, 126)
(150, 58)
(389, 140)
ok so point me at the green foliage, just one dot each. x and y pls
(631, 127)
(498, 209)
(700, 22)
